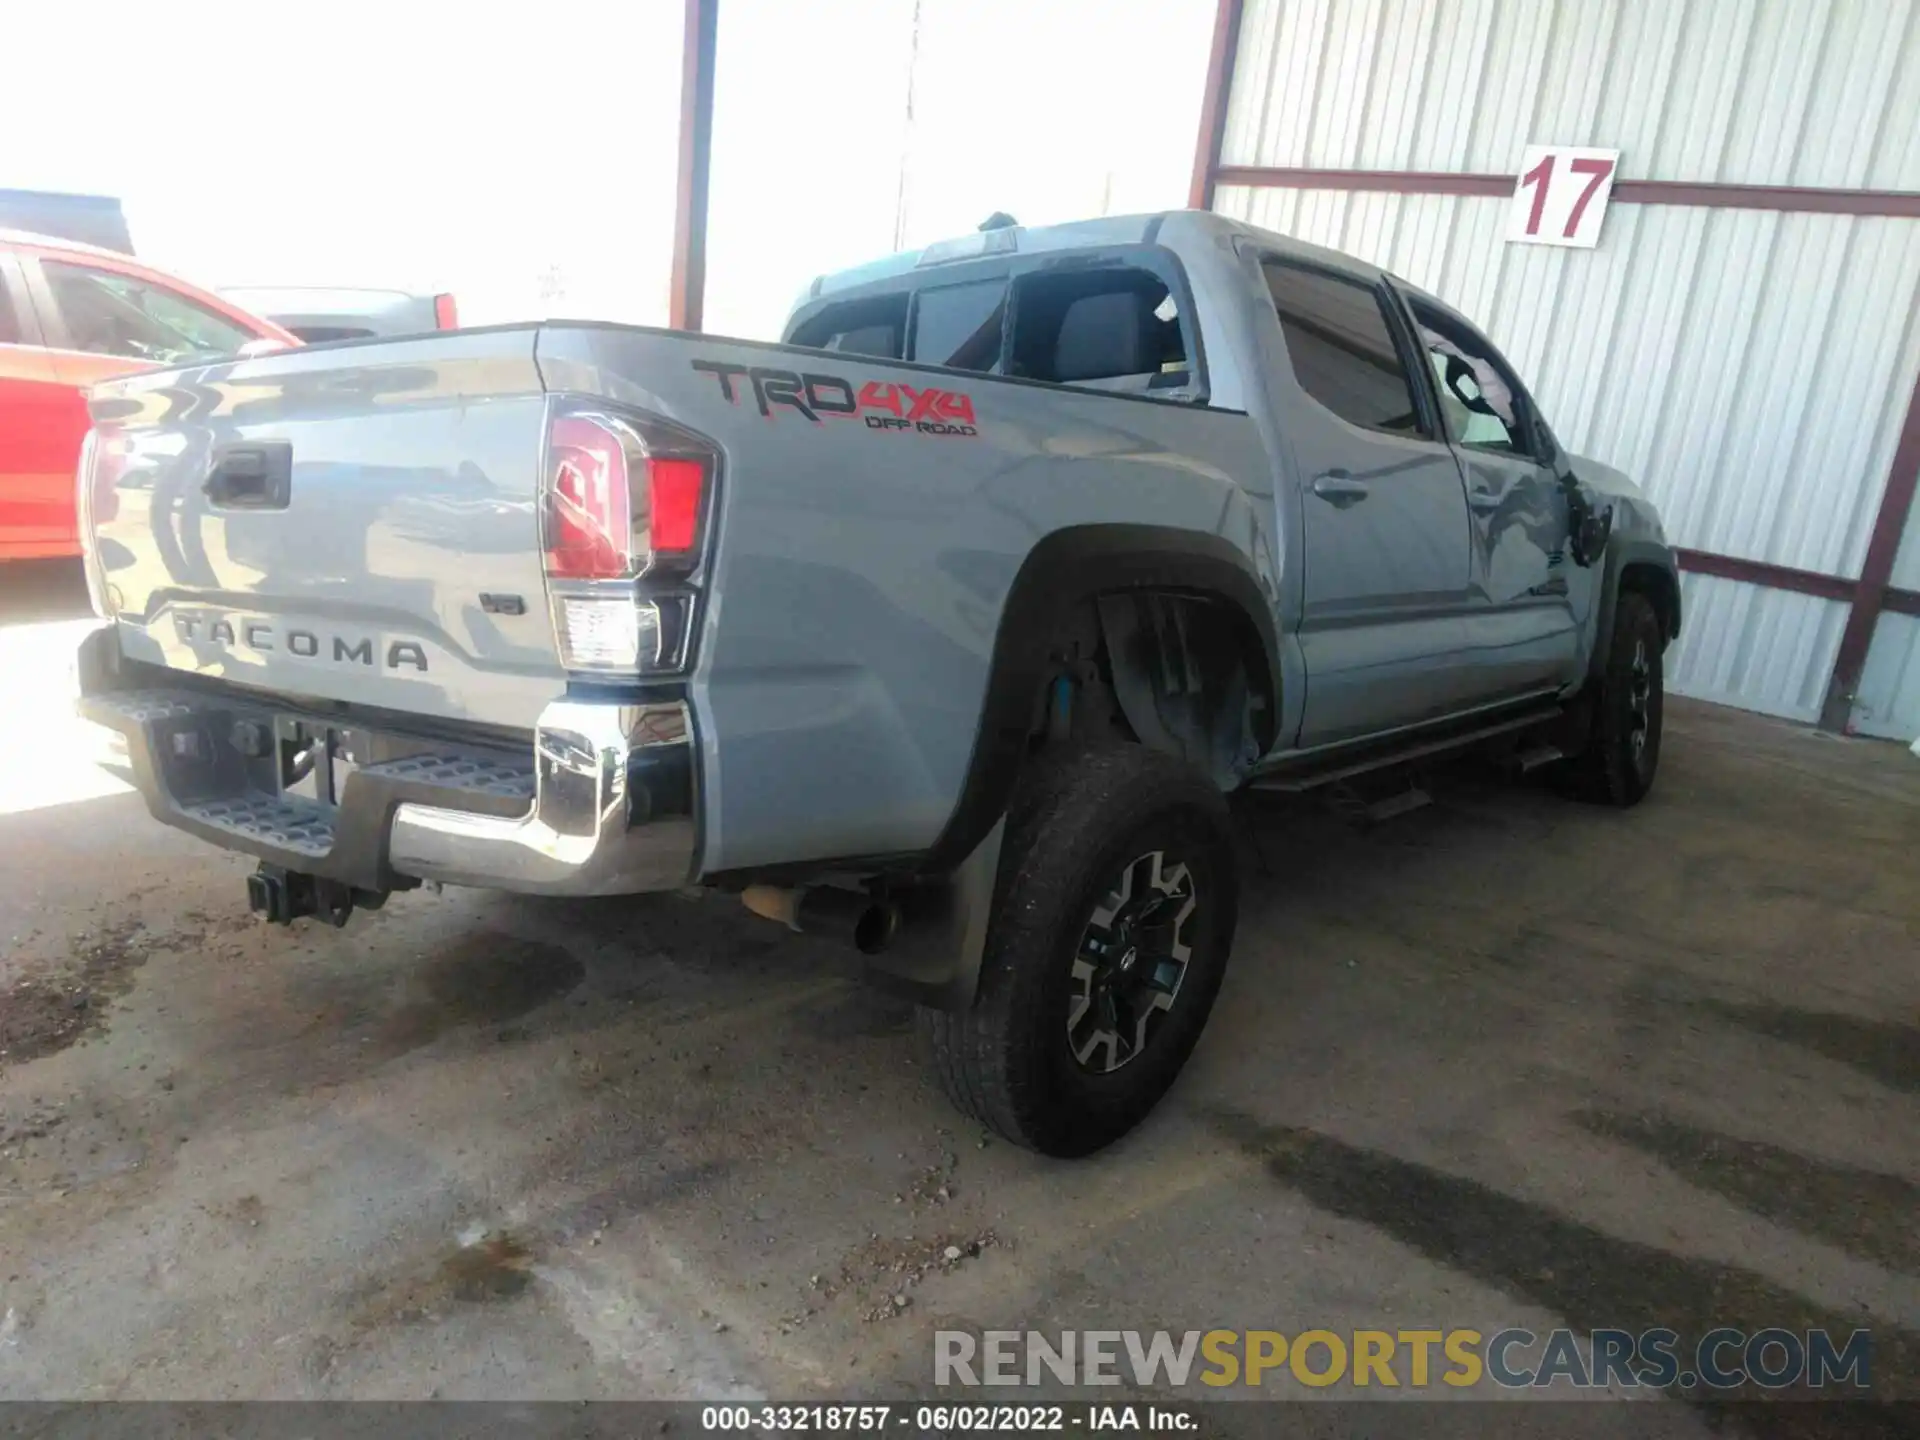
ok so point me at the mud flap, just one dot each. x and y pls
(943, 937)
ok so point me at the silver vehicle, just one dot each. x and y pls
(944, 626)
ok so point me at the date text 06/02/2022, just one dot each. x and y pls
(949, 1419)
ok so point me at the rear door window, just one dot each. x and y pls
(961, 326)
(108, 313)
(1342, 347)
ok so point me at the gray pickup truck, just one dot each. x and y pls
(944, 626)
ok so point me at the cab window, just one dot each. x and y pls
(1342, 347)
(1113, 328)
(107, 313)
(960, 326)
(859, 327)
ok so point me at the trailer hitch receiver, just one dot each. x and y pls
(284, 896)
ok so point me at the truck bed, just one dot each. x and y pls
(868, 521)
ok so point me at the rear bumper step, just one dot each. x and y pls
(601, 803)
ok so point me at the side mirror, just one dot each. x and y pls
(1591, 536)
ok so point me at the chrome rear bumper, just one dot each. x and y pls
(604, 804)
(613, 811)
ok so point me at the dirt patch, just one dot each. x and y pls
(484, 979)
(483, 1267)
(246, 1212)
(37, 1124)
(493, 1268)
(46, 1013)
(880, 1275)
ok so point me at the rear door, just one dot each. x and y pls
(41, 422)
(1382, 514)
(1522, 627)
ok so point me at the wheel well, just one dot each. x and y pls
(1659, 586)
(1180, 672)
(1057, 593)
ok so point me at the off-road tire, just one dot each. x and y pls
(1077, 820)
(1614, 769)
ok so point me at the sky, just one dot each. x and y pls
(523, 156)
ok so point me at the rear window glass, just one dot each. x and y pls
(960, 325)
(9, 322)
(1118, 328)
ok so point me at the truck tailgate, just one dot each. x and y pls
(352, 523)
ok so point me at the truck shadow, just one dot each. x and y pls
(1865, 1212)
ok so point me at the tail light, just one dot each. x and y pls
(446, 315)
(626, 500)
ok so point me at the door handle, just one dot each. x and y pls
(1484, 498)
(1339, 489)
(253, 476)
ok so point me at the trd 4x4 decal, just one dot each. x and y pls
(882, 404)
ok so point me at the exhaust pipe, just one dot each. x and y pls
(858, 920)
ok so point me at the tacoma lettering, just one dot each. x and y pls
(305, 644)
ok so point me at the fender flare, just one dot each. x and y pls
(1067, 568)
(938, 961)
(1623, 551)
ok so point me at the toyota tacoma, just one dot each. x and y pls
(944, 626)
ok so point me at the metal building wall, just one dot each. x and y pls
(1762, 92)
(1752, 368)
(1889, 695)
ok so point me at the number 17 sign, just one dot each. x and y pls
(1562, 195)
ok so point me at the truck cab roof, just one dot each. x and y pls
(1176, 228)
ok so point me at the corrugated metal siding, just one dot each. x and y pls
(1752, 369)
(1757, 648)
(1888, 701)
(1759, 92)
(1906, 564)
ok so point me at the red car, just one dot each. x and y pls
(71, 315)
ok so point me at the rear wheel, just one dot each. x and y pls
(1623, 745)
(1113, 916)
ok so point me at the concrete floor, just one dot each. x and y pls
(1508, 1060)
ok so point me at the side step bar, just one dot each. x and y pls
(1336, 770)
(1529, 761)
